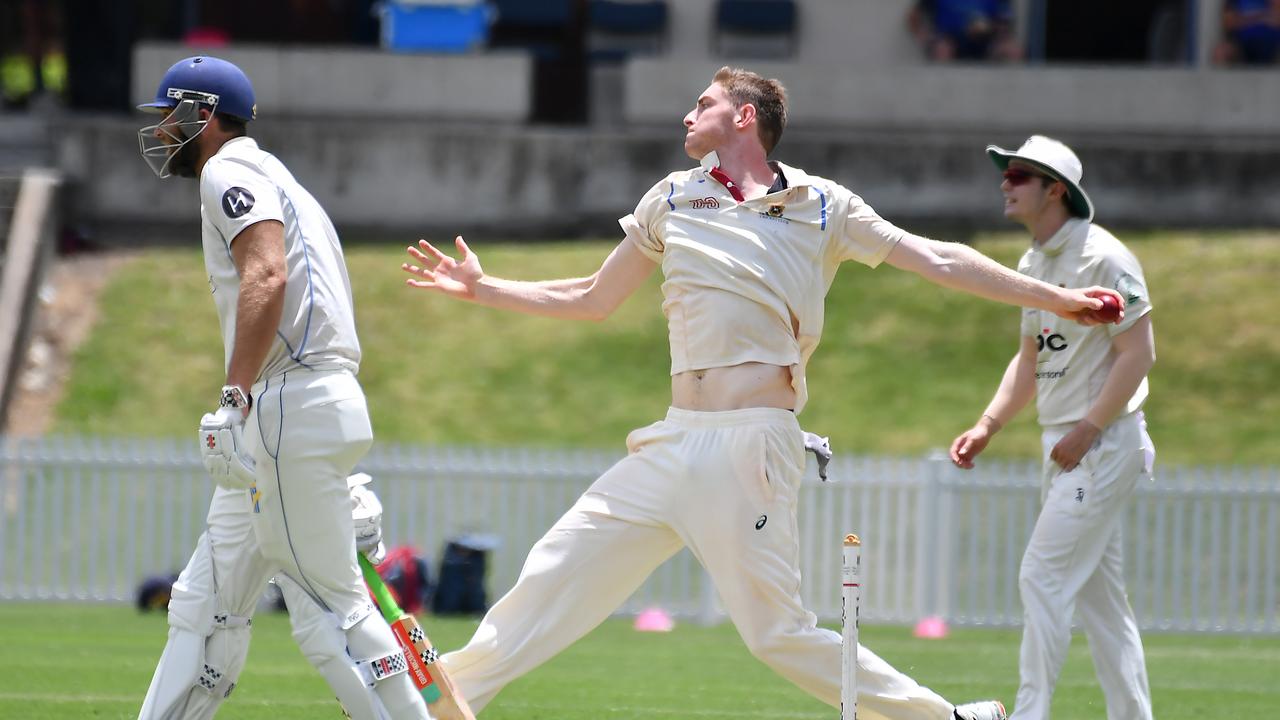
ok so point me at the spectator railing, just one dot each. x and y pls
(89, 518)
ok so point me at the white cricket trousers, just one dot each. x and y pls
(725, 485)
(307, 430)
(310, 429)
(1074, 560)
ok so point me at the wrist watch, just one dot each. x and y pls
(234, 396)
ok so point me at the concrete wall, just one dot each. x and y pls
(397, 179)
(395, 145)
(1019, 99)
(847, 31)
(357, 82)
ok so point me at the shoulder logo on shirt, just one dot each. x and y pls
(1128, 286)
(706, 203)
(236, 201)
(775, 211)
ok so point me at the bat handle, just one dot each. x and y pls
(390, 609)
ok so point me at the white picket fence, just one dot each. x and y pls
(88, 518)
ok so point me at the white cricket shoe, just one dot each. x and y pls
(984, 710)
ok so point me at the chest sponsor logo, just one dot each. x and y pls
(1049, 340)
(775, 213)
(1051, 374)
(706, 203)
(236, 201)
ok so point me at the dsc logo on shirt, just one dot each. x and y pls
(1051, 340)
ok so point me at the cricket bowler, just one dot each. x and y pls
(748, 248)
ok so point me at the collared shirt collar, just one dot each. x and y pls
(1063, 237)
(795, 177)
(248, 142)
(780, 182)
(711, 165)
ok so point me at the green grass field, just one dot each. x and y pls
(903, 366)
(65, 662)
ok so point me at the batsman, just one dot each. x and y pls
(290, 424)
(748, 248)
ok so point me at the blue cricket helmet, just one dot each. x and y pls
(210, 81)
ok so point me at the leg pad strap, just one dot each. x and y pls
(375, 670)
(211, 679)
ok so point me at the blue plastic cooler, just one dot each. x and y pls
(430, 26)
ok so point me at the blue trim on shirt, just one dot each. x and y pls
(306, 256)
(823, 212)
(673, 192)
(288, 346)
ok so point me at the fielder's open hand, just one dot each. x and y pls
(436, 271)
(1080, 304)
(972, 442)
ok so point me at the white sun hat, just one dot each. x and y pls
(1056, 160)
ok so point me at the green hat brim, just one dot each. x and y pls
(1078, 201)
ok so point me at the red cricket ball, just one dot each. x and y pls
(1110, 310)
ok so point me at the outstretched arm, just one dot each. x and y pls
(960, 267)
(594, 297)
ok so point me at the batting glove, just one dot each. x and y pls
(366, 514)
(223, 449)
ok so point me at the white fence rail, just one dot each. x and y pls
(88, 518)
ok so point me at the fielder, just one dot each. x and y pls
(291, 421)
(1089, 384)
(748, 249)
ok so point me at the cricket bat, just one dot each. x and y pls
(441, 695)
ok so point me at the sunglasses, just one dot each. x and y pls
(1018, 176)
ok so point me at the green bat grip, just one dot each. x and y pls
(390, 610)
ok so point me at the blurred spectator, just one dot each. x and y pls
(1252, 29)
(965, 30)
(32, 66)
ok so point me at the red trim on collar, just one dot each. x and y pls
(723, 178)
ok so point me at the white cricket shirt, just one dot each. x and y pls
(1073, 360)
(242, 185)
(746, 281)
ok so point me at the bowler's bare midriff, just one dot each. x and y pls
(736, 387)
